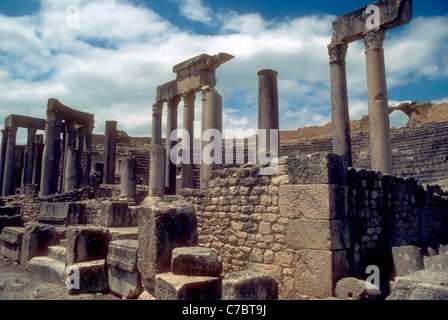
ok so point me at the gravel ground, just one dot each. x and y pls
(17, 283)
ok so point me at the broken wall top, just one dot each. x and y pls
(350, 26)
(70, 114)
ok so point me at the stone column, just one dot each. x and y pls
(80, 138)
(128, 179)
(157, 171)
(70, 142)
(71, 172)
(268, 102)
(211, 119)
(110, 149)
(188, 125)
(339, 102)
(37, 161)
(52, 154)
(9, 161)
(171, 125)
(27, 174)
(87, 155)
(379, 127)
(3, 156)
(156, 133)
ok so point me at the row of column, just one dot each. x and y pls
(65, 167)
(379, 127)
(32, 160)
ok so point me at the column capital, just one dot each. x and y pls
(157, 107)
(173, 102)
(373, 39)
(189, 97)
(12, 130)
(32, 132)
(337, 51)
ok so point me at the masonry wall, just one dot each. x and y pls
(315, 221)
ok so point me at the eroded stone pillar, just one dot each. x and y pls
(268, 103)
(3, 156)
(9, 161)
(71, 169)
(87, 156)
(339, 102)
(52, 154)
(156, 134)
(188, 126)
(211, 152)
(110, 147)
(157, 171)
(171, 125)
(27, 175)
(379, 127)
(37, 161)
(128, 179)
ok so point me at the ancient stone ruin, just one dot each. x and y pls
(345, 214)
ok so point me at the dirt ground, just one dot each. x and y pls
(17, 283)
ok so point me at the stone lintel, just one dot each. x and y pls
(70, 114)
(14, 120)
(166, 91)
(350, 26)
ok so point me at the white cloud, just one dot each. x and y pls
(195, 10)
(112, 65)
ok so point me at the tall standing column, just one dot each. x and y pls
(157, 171)
(27, 175)
(87, 155)
(211, 119)
(339, 102)
(70, 142)
(71, 172)
(52, 154)
(128, 181)
(156, 133)
(268, 103)
(379, 127)
(171, 125)
(110, 149)
(37, 161)
(188, 126)
(80, 138)
(3, 156)
(9, 161)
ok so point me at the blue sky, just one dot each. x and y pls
(123, 49)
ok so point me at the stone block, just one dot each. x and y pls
(64, 213)
(11, 243)
(92, 277)
(195, 261)
(313, 201)
(318, 234)
(407, 259)
(48, 268)
(123, 276)
(37, 238)
(355, 289)
(10, 221)
(169, 286)
(249, 285)
(117, 214)
(317, 168)
(86, 243)
(426, 284)
(162, 227)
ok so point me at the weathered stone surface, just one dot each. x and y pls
(47, 268)
(117, 214)
(37, 238)
(11, 243)
(355, 289)
(349, 27)
(92, 277)
(195, 261)
(65, 213)
(437, 262)
(86, 243)
(169, 286)
(249, 285)
(317, 168)
(162, 227)
(407, 259)
(427, 284)
(123, 276)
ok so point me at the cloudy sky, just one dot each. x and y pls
(112, 62)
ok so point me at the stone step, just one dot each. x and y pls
(63, 243)
(48, 268)
(130, 233)
(57, 253)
